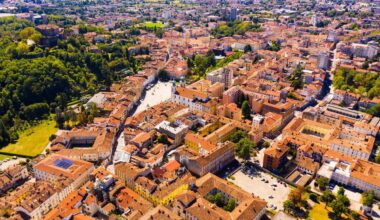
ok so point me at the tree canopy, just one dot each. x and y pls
(35, 80)
(244, 148)
(366, 84)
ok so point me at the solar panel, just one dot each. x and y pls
(63, 163)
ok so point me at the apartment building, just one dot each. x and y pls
(200, 156)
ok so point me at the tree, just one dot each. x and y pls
(27, 32)
(273, 46)
(322, 183)
(338, 207)
(296, 195)
(247, 48)
(163, 75)
(211, 198)
(289, 206)
(163, 139)
(178, 28)
(368, 198)
(36, 37)
(237, 136)
(219, 199)
(4, 135)
(341, 191)
(246, 110)
(36, 111)
(266, 144)
(244, 148)
(22, 48)
(341, 203)
(327, 197)
(296, 77)
(375, 111)
(313, 197)
(231, 204)
(354, 215)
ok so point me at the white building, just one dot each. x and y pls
(360, 174)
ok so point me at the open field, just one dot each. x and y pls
(33, 140)
(149, 24)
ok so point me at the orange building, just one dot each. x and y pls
(275, 156)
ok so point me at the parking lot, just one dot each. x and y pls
(261, 184)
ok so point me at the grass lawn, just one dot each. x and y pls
(33, 140)
(318, 212)
(150, 24)
(3, 157)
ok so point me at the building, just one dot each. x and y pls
(231, 111)
(89, 143)
(61, 175)
(275, 156)
(175, 130)
(314, 20)
(131, 204)
(233, 14)
(200, 156)
(360, 174)
(12, 177)
(51, 33)
(193, 99)
(222, 75)
(323, 60)
(160, 212)
(369, 50)
(343, 136)
(332, 36)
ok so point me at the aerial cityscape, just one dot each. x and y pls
(189, 109)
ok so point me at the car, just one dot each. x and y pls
(266, 181)
(271, 197)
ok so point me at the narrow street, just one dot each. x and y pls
(159, 92)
